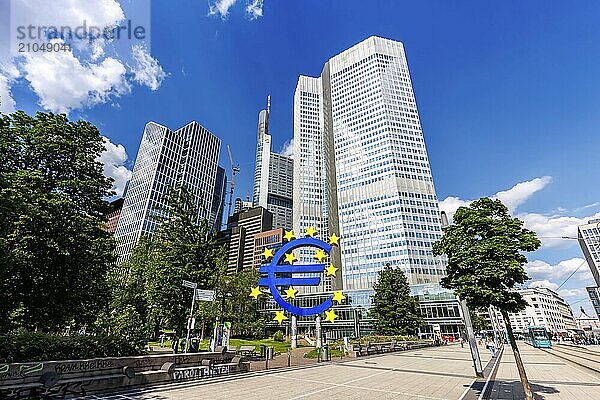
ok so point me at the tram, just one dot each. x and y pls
(538, 337)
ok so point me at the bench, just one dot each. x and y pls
(240, 363)
(247, 351)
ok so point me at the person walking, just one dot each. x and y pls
(491, 346)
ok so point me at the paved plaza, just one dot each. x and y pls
(432, 373)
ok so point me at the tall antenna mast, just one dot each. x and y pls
(234, 170)
(269, 104)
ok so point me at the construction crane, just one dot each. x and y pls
(234, 170)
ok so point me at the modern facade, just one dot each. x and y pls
(242, 228)
(361, 167)
(112, 218)
(240, 205)
(187, 157)
(272, 239)
(544, 308)
(594, 295)
(273, 176)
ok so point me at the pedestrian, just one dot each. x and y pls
(462, 342)
(491, 346)
(175, 344)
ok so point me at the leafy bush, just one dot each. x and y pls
(28, 346)
(278, 336)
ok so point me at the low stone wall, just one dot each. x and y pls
(108, 373)
(371, 348)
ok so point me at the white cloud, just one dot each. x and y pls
(254, 9)
(568, 293)
(518, 194)
(147, 71)
(7, 103)
(288, 148)
(63, 83)
(93, 72)
(542, 271)
(544, 283)
(114, 158)
(221, 7)
(550, 228)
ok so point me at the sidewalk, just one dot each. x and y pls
(550, 377)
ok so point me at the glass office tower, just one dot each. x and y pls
(168, 159)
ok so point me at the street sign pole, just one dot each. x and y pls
(189, 325)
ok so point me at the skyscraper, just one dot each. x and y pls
(361, 166)
(589, 241)
(273, 176)
(168, 159)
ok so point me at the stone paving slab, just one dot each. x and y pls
(551, 378)
(426, 374)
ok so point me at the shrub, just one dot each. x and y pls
(278, 336)
(28, 346)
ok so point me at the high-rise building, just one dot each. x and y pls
(544, 308)
(594, 295)
(361, 167)
(273, 176)
(187, 157)
(240, 234)
(589, 240)
(272, 239)
(112, 217)
(241, 205)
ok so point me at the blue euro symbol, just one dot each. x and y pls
(273, 268)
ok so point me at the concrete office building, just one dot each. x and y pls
(187, 157)
(272, 239)
(112, 217)
(241, 230)
(589, 240)
(240, 205)
(545, 308)
(273, 176)
(361, 168)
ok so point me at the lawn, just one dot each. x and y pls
(279, 347)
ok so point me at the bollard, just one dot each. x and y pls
(289, 357)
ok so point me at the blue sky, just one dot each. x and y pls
(507, 94)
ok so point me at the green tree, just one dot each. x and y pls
(182, 248)
(238, 306)
(54, 252)
(395, 311)
(485, 261)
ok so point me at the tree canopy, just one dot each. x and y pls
(54, 252)
(395, 311)
(484, 249)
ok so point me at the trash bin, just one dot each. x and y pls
(263, 351)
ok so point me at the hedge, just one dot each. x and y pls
(28, 346)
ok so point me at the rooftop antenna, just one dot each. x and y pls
(269, 103)
(234, 170)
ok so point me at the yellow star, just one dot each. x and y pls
(255, 292)
(279, 317)
(320, 255)
(290, 258)
(331, 270)
(334, 240)
(311, 231)
(289, 236)
(268, 253)
(330, 316)
(291, 292)
(338, 296)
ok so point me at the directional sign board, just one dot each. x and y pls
(205, 295)
(189, 284)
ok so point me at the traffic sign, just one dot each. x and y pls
(189, 284)
(205, 295)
